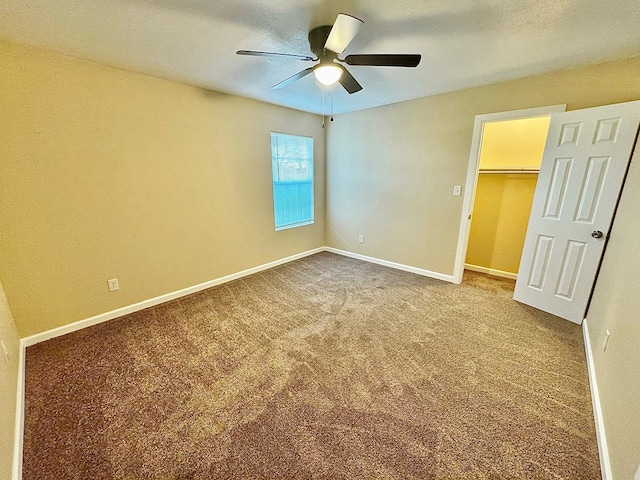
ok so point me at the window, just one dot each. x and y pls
(292, 168)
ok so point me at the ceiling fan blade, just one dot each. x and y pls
(384, 60)
(349, 83)
(344, 29)
(293, 78)
(255, 53)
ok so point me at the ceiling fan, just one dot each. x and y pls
(327, 42)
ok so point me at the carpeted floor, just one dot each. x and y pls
(323, 368)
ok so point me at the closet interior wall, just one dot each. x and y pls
(510, 158)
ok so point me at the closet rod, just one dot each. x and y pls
(509, 170)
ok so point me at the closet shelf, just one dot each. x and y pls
(509, 170)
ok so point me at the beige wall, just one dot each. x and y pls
(391, 170)
(616, 307)
(106, 173)
(503, 201)
(8, 386)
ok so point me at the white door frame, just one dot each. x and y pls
(472, 174)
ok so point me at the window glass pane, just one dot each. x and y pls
(292, 169)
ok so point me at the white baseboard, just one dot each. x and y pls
(603, 450)
(103, 317)
(398, 266)
(16, 473)
(491, 271)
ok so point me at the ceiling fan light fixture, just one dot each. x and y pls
(327, 74)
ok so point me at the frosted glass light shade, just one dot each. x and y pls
(328, 74)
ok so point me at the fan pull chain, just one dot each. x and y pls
(332, 105)
(323, 106)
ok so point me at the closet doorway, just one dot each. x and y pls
(510, 157)
(505, 157)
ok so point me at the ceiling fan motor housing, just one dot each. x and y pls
(317, 39)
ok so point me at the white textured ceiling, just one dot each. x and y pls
(463, 43)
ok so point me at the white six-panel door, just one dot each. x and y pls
(583, 168)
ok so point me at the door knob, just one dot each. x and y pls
(597, 234)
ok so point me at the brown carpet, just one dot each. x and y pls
(324, 368)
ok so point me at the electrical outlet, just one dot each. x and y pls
(5, 351)
(361, 239)
(113, 284)
(606, 340)
(457, 190)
